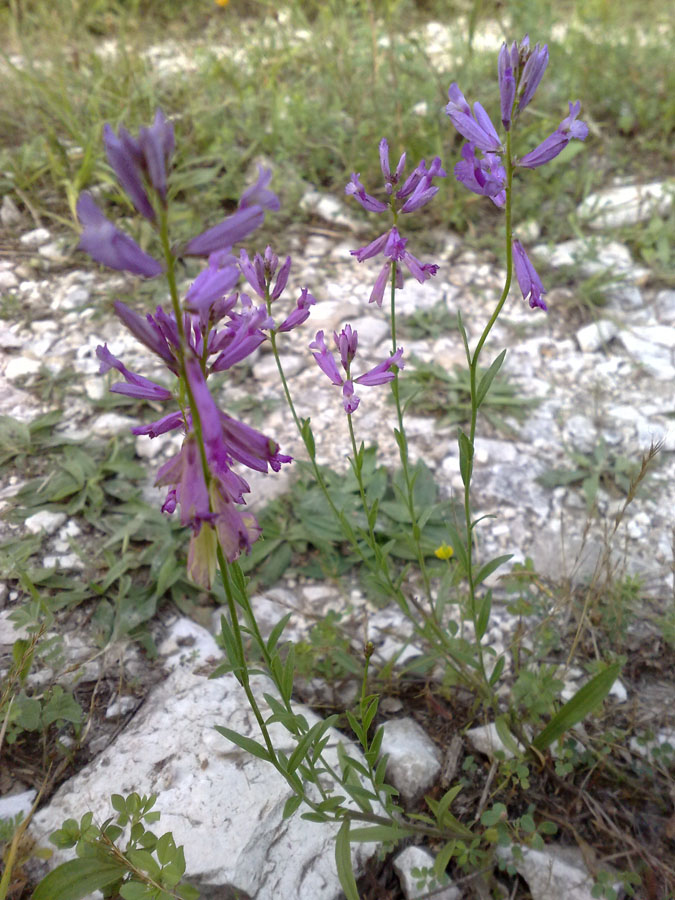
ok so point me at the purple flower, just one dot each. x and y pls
(211, 285)
(261, 271)
(390, 180)
(346, 343)
(250, 215)
(301, 312)
(109, 246)
(528, 280)
(125, 156)
(485, 176)
(475, 127)
(241, 336)
(507, 85)
(368, 202)
(549, 148)
(157, 145)
(536, 61)
(137, 159)
(232, 229)
(259, 194)
(148, 332)
(136, 386)
(393, 246)
(416, 191)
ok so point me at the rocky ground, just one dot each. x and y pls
(602, 380)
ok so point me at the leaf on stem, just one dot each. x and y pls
(488, 378)
(246, 743)
(343, 861)
(578, 707)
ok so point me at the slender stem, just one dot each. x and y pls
(473, 371)
(379, 563)
(403, 453)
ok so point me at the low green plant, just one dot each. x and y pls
(302, 532)
(447, 395)
(148, 867)
(599, 468)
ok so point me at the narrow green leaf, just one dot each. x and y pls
(286, 685)
(487, 379)
(578, 707)
(465, 340)
(483, 615)
(76, 878)
(497, 671)
(276, 632)
(376, 834)
(506, 737)
(246, 743)
(465, 456)
(490, 567)
(443, 858)
(343, 861)
(291, 805)
(458, 545)
(445, 802)
(135, 890)
(308, 438)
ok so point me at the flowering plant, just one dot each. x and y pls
(213, 328)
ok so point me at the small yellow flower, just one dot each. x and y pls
(222, 2)
(445, 551)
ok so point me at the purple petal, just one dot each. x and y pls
(250, 447)
(301, 312)
(161, 426)
(528, 279)
(147, 332)
(123, 155)
(532, 74)
(137, 386)
(382, 373)
(259, 195)
(349, 399)
(372, 249)
(209, 286)
(109, 246)
(377, 294)
(231, 230)
(157, 144)
(282, 279)
(325, 359)
(249, 272)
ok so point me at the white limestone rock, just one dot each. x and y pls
(556, 873)
(329, 208)
(222, 804)
(188, 644)
(35, 238)
(594, 335)
(20, 367)
(415, 887)
(45, 520)
(12, 805)
(485, 739)
(627, 204)
(414, 760)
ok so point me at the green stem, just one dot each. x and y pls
(378, 564)
(403, 454)
(473, 371)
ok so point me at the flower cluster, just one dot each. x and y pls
(140, 165)
(346, 343)
(414, 193)
(519, 70)
(215, 330)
